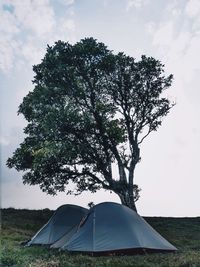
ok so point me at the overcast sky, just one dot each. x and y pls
(169, 172)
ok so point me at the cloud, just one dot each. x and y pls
(192, 8)
(163, 36)
(66, 2)
(31, 51)
(8, 30)
(26, 18)
(69, 24)
(177, 39)
(27, 26)
(4, 141)
(35, 16)
(135, 4)
(8, 46)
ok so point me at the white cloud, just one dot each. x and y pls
(191, 59)
(174, 7)
(178, 44)
(37, 16)
(27, 26)
(69, 24)
(6, 55)
(192, 8)
(135, 4)
(27, 18)
(65, 31)
(66, 2)
(8, 30)
(163, 36)
(8, 23)
(192, 12)
(32, 52)
(150, 28)
(4, 141)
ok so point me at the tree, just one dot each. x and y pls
(89, 112)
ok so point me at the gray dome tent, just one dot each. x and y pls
(64, 222)
(113, 228)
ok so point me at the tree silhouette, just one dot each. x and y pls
(89, 112)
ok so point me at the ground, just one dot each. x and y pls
(20, 225)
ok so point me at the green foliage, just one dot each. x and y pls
(90, 109)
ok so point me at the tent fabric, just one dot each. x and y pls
(114, 227)
(64, 222)
(60, 242)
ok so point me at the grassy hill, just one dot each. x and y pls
(20, 225)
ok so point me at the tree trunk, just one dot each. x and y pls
(127, 199)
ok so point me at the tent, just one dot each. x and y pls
(64, 222)
(114, 228)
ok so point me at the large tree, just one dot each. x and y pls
(88, 114)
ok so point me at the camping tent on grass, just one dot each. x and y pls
(64, 222)
(114, 228)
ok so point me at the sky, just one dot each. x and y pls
(169, 173)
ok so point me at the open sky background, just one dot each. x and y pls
(169, 172)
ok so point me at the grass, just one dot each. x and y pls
(20, 225)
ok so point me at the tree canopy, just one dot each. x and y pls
(89, 112)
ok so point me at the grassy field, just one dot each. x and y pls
(20, 225)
